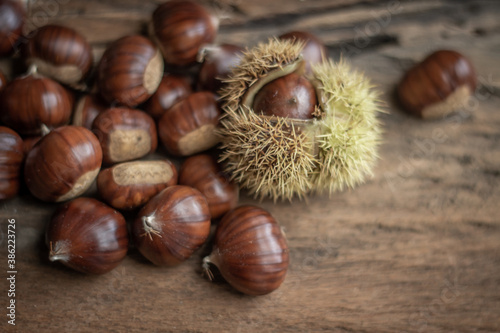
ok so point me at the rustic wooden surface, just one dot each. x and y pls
(415, 249)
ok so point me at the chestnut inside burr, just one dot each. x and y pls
(290, 96)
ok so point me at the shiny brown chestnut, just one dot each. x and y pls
(125, 134)
(12, 18)
(60, 53)
(129, 71)
(87, 236)
(217, 62)
(11, 159)
(314, 50)
(29, 142)
(438, 85)
(31, 101)
(86, 110)
(180, 28)
(189, 126)
(3, 81)
(63, 164)
(172, 89)
(172, 225)
(204, 174)
(250, 251)
(290, 96)
(131, 184)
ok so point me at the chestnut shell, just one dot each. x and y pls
(60, 53)
(434, 79)
(57, 164)
(189, 126)
(291, 96)
(3, 81)
(132, 184)
(171, 90)
(181, 28)
(11, 159)
(125, 134)
(87, 108)
(12, 18)
(218, 62)
(31, 101)
(250, 251)
(129, 71)
(172, 225)
(87, 236)
(314, 50)
(204, 174)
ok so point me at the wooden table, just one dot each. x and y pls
(414, 249)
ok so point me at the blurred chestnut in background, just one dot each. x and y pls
(217, 62)
(129, 71)
(125, 134)
(60, 53)
(250, 251)
(204, 174)
(171, 90)
(290, 96)
(314, 49)
(30, 101)
(86, 110)
(87, 236)
(181, 28)
(63, 164)
(130, 185)
(189, 126)
(3, 81)
(438, 85)
(11, 159)
(12, 17)
(172, 225)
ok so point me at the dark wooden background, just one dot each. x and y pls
(414, 249)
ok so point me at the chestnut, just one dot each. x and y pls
(63, 164)
(125, 134)
(11, 159)
(172, 225)
(29, 142)
(250, 251)
(217, 64)
(189, 126)
(87, 236)
(60, 53)
(12, 19)
(86, 110)
(171, 90)
(131, 184)
(180, 28)
(129, 71)
(31, 101)
(438, 85)
(314, 50)
(3, 81)
(204, 174)
(290, 96)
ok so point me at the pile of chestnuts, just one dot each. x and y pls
(71, 121)
(60, 138)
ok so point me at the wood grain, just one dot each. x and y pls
(415, 249)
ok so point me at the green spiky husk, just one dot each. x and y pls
(282, 158)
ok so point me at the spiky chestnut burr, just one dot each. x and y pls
(281, 157)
